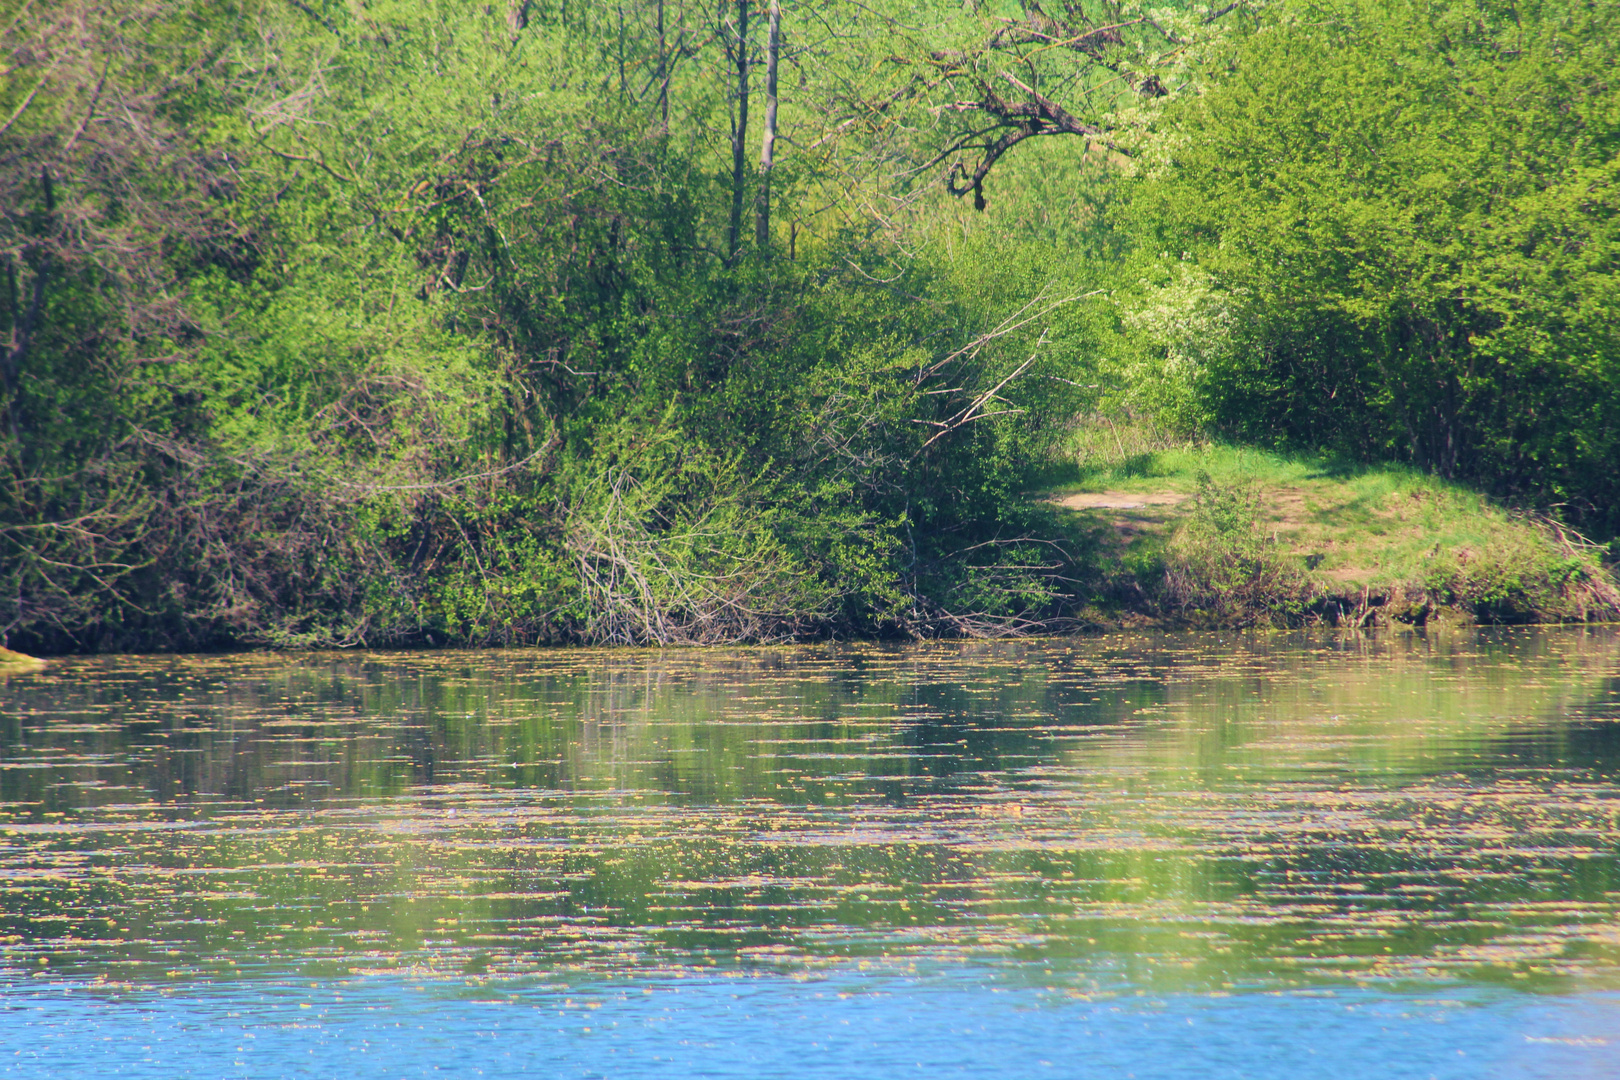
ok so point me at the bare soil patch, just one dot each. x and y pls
(1121, 500)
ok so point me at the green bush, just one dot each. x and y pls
(1407, 210)
(1222, 566)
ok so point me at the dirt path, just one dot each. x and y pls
(1121, 500)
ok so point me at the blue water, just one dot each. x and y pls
(747, 1027)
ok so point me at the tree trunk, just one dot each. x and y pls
(767, 143)
(663, 72)
(624, 90)
(739, 136)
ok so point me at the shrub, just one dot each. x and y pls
(1221, 566)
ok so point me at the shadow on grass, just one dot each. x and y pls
(1143, 466)
(1055, 474)
(1339, 467)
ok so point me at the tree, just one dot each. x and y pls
(737, 50)
(106, 200)
(767, 146)
(969, 89)
(1411, 208)
(110, 207)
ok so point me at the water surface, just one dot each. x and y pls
(1149, 855)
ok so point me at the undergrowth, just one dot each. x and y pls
(1222, 566)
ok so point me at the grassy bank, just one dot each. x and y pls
(1203, 534)
(14, 662)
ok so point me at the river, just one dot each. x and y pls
(1277, 856)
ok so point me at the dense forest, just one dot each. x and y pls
(334, 322)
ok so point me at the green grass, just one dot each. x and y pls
(1316, 533)
(15, 661)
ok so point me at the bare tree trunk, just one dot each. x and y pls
(739, 135)
(663, 72)
(767, 144)
(623, 90)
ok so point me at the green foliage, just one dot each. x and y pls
(1407, 208)
(340, 324)
(464, 362)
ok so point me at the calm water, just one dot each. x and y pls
(1198, 856)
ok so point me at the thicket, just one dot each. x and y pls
(1389, 229)
(431, 322)
(336, 323)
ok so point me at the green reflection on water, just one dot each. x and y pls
(1199, 811)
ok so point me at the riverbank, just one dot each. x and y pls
(1127, 529)
(12, 662)
(1200, 534)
